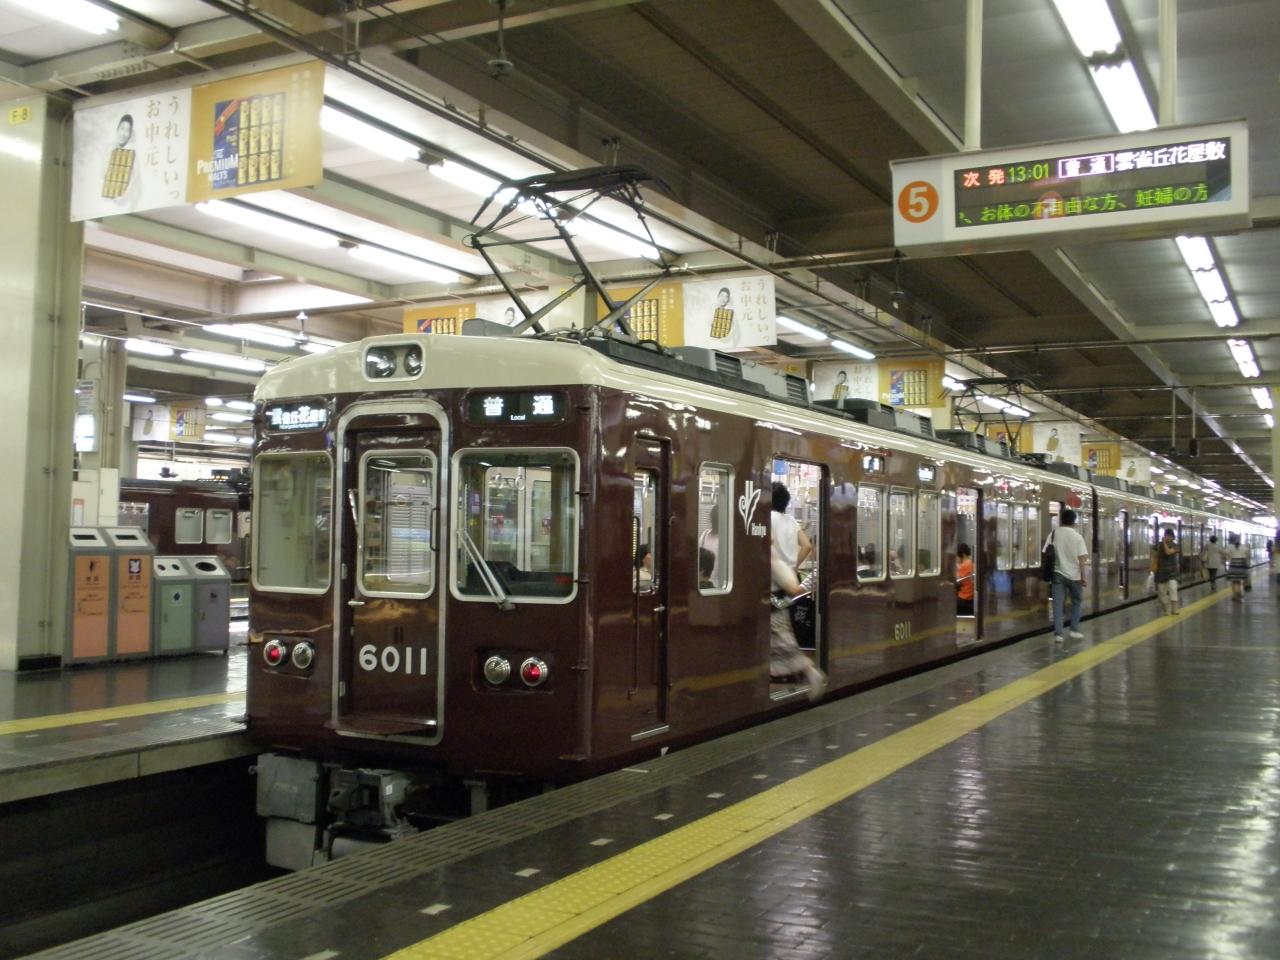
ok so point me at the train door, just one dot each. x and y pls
(390, 646)
(651, 548)
(966, 548)
(807, 484)
(1122, 551)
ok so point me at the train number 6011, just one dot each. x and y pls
(393, 659)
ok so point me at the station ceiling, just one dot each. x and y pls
(771, 124)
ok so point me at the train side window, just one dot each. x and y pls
(644, 502)
(516, 524)
(715, 529)
(1033, 541)
(293, 513)
(398, 499)
(870, 532)
(1004, 534)
(188, 525)
(217, 525)
(929, 535)
(901, 560)
(1019, 539)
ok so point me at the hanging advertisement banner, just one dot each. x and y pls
(130, 155)
(839, 381)
(912, 382)
(1101, 458)
(730, 314)
(256, 132)
(659, 316)
(151, 422)
(186, 422)
(1061, 441)
(445, 319)
(1137, 470)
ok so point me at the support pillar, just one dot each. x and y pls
(41, 254)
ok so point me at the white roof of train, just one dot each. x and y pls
(458, 362)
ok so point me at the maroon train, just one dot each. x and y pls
(444, 576)
(191, 517)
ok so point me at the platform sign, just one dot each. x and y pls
(1152, 183)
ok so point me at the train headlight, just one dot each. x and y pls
(275, 652)
(497, 670)
(303, 655)
(379, 363)
(413, 361)
(533, 672)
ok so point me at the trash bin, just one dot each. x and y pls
(173, 621)
(131, 554)
(89, 597)
(212, 603)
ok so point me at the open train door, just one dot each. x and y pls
(650, 543)
(389, 640)
(967, 532)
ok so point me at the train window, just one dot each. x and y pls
(517, 524)
(188, 525)
(870, 532)
(900, 534)
(1004, 537)
(398, 500)
(217, 525)
(928, 534)
(1032, 542)
(1019, 539)
(644, 531)
(293, 510)
(132, 514)
(715, 529)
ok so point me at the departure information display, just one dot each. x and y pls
(525, 406)
(1094, 184)
(1152, 183)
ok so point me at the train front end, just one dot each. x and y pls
(417, 607)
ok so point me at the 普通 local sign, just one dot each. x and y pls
(1153, 183)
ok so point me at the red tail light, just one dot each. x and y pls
(533, 672)
(275, 652)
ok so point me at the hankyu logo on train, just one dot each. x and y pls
(747, 507)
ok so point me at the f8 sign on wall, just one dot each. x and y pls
(1147, 184)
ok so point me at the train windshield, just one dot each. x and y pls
(517, 510)
(292, 516)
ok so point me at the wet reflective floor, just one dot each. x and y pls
(1117, 796)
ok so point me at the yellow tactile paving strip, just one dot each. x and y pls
(536, 924)
(123, 712)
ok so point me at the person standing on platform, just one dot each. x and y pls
(1069, 558)
(1237, 566)
(1164, 567)
(1213, 560)
(788, 548)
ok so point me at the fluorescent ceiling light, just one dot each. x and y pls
(1242, 352)
(1211, 286)
(138, 398)
(795, 326)
(224, 360)
(266, 223)
(1262, 397)
(409, 266)
(239, 405)
(1196, 253)
(346, 127)
(1269, 420)
(1224, 313)
(847, 347)
(74, 13)
(213, 401)
(1157, 471)
(616, 240)
(230, 417)
(245, 440)
(1092, 28)
(252, 333)
(951, 383)
(214, 437)
(470, 180)
(319, 345)
(1017, 411)
(1124, 97)
(148, 348)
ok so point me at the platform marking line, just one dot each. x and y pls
(532, 925)
(116, 713)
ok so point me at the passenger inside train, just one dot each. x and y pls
(964, 581)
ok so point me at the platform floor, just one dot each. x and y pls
(1114, 797)
(84, 726)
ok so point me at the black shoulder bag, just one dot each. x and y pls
(1048, 558)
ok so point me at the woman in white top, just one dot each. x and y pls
(789, 547)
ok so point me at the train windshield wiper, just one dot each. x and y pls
(487, 576)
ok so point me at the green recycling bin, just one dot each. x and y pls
(173, 609)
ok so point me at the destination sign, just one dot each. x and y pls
(526, 406)
(1154, 183)
(295, 417)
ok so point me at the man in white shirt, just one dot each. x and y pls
(1070, 556)
(789, 547)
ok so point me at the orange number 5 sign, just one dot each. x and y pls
(918, 201)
